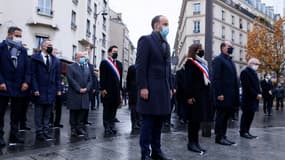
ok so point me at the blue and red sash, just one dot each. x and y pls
(202, 67)
(114, 68)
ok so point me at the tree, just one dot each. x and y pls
(267, 44)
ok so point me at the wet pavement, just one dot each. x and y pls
(125, 146)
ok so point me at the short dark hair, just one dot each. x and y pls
(111, 48)
(155, 19)
(222, 46)
(12, 29)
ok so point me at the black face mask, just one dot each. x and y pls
(201, 53)
(114, 55)
(230, 50)
(49, 50)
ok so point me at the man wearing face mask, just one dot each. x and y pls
(154, 87)
(46, 84)
(225, 91)
(79, 84)
(251, 94)
(266, 86)
(111, 87)
(15, 80)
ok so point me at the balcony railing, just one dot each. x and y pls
(88, 34)
(45, 11)
(73, 26)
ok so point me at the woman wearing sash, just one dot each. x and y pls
(197, 94)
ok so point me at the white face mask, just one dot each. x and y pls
(254, 67)
(17, 39)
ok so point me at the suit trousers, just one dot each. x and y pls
(76, 118)
(193, 132)
(16, 105)
(135, 116)
(56, 111)
(246, 120)
(42, 118)
(92, 99)
(279, 102)
(23, 115)
(150, 134)
(222, 117)
(267, 105)
(109, 113)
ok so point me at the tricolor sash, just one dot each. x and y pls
(203, 68)
(114, 68)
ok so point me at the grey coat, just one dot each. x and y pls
(78, 79)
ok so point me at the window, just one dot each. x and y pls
(240, 38)
(95, 8)
(240, 55)
(102, 54)
(233, 20)
(196, 27)
(105, 4)
(196, 8)
(88, 33)
(223, 32)
(103, 40)
(74, 50)
(248, 26)
(233, 36)
(94, 33)
(223, 15)
(39, 40)
(89, 10)
(75, 2)
(73, 20)
(104, 23)
(45, 7)
(240, 23)
(196, 41)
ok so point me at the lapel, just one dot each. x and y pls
(157, 41)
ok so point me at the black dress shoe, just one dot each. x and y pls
(47, 137)
(88, 123)
(231, 142)
(223, 141)
(73, 133)
(159, 156)
(116, 120)
(253, 137)
(15, 139)
(2, 142)
(81, 132)
(25, 128)
(194, 148)
(245, 135)
(202, 149)
(58, 125)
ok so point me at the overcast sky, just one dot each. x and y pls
(137, 14)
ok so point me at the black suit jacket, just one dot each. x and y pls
(110, 83)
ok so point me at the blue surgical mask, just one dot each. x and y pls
(82, 60)
(164, 32)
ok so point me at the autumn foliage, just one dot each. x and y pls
(267, 44)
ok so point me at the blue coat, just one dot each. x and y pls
(153, 73)
(11, 76)
(225, 82)
(250, 89)
(46, 81)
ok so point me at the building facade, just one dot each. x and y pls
(210, 22)
(119, 36)
(72, 25)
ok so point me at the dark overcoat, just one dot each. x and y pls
(11, 76)
(250, 89)
(78, 78)
(131, 85)
(194, 87)
(153, 73)
(225, 82)
(45, 80)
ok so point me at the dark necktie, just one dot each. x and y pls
(47, 62)
(82, 67)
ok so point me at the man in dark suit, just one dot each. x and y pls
(153, 80)
(46, 84)
(226, 91)
(132, 93)
(251, 94)
(15, 80)
(266, 86)
(111, 86)
(79, 84)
